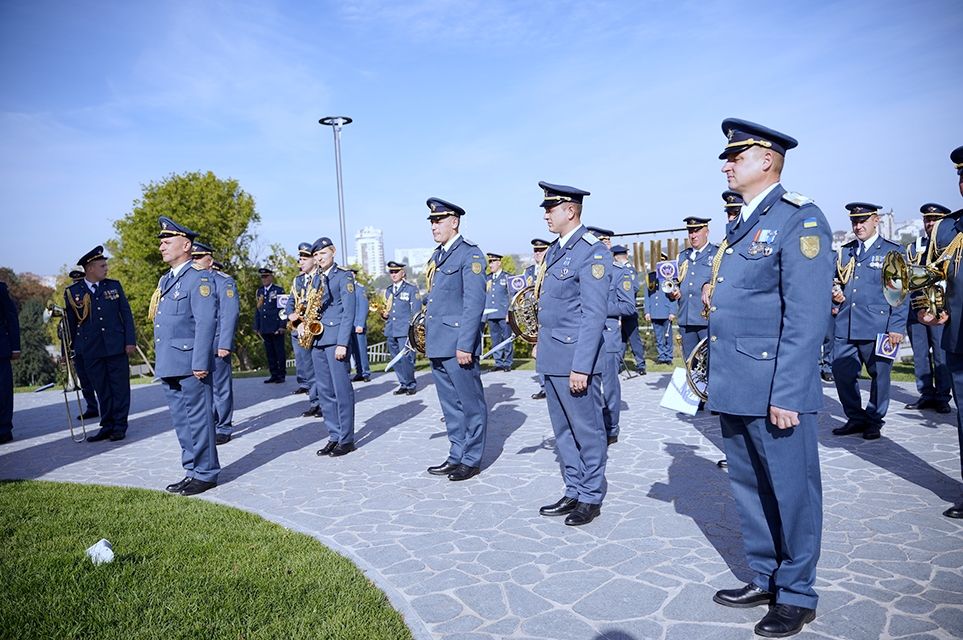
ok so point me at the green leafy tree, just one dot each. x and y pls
(35, 366)
(24, 287)
(223, 214)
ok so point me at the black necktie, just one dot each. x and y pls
(93, 289)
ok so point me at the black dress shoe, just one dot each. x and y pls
(341, 450)
(5, 438)
(919, 405)
(411, 392)
(117, 436)
(748, 596)
(584, 513)
(784, 620)
(641, 373)
(222, 438)
(311, 412)
(611, 440)
(177, 486)
(365, 378)
(279, 380)
(270, 380)
(849, 428)
(956, 511)
(942, 406)
(722, 464)
(871, 432)
(538, 396)
(88, 414)
(400, 391)
(196, 486)
(328, 448)
(827, 377)
(442, 469)
(300, 390)
(463, 472)
(563, 507)
(100, 435)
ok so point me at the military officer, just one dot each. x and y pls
(9, 351)
(573, 296)
(630, 322)
(949, 238)
(268, 325)
(496, 312)
(402, 302)
(620, 303)
(539, 247)
(99, 317)
(769, 309)
(86, 386)
(184, 313)
(453, 314)
(864, 314)
(359, 339)
(332, 366)
(695, 269)
(660, 311)
(228, 310)
(929, 359)
(303, 361)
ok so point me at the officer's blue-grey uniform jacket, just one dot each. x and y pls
(361, 306)
(621, 302)
(945, 232)
(9, 323)
(228, 310)
(697, 274)
(657, 305)
(635, 282)
(108, 328)
(572, 306)
(185, 323)
(299, 287)
(267, 318)
(531, 274)
(865, 313)
(456, 301)
(497, 297)
(771, 309)
(337, 307)
(404, 306)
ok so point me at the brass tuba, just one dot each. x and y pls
(310, 325)
(697, 369)
(71, 381)
(523, 315)
(901, 278)
(416, 333)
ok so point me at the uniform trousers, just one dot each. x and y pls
(405, 367)
(276, 356)
(849, 356)
(826, 363)
(6, 397)
(359, 352)
(954, 363)
(691, 337)
(611, 393)
(335, 393)
(223, 396)
(579, 436)
(774, 476)
(110, 377)
(462, 400)
(663, 339)
(304, 369)
(86, 386)
(500, 330)
(190, 401)
(932, 377)
(630, 334)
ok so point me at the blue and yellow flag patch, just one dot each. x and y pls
(809, 223)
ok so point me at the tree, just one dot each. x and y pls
(35, 365)
(222, 213)
(24, 287)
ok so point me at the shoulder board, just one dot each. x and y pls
(468, 242)
(343, 268)
(617, 265)
(589, 237)
(223, 275)
(197, 267)
(890, 242)
(796, 199)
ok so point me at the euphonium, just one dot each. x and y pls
(697, 369)
(310, 325)
(900, 278)
(523, 315)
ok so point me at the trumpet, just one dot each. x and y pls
(71, 380)
(670, 286)
(900, 279)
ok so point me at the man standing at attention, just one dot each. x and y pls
(359, 339)
(864, 314)
(304, 364)
(456, 301)
(769, 310)
(572, 301)
(660, 311)
(183, 310)
(402, 304)
(695, 269)
(496, 312)
(99, 317)
(539, 247)
(630, 322)
(268, 325)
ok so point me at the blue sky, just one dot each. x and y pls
(470, 101)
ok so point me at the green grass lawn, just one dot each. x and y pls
(183, 568)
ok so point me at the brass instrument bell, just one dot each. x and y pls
(900, 279)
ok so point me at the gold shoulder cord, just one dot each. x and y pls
(538, 280)
(429, 273)
(82, 310)
(716, 263)
(844, 273)
(954, 250)
(389, 300)
(260, 301)
(154, 301)
(684, 269)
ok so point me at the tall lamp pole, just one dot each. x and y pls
(336, 122)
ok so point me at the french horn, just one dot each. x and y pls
(697, 369)
(523, 315)
(416, 333)
(901, 278)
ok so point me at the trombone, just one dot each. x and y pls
(71, 382)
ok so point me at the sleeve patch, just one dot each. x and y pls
(809, 223)
(809, 246)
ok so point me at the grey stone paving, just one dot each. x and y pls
(474, 560)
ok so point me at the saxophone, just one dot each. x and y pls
(310, 325)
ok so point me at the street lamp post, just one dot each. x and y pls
(336, 122)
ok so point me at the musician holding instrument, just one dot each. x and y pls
(949, 243)
(269, 325)
(9, 351)
(453, 316)
(99, 318)
(76, 274)
(769, 307)
(496, 312)
(695, 269)
(401, 303)
(863, 314)
(660, 312)
(329, 316)
(294, 307)
(539, 247)
(572, 296)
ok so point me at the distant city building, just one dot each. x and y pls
(887, 226)
(370, 251)
(414, 258)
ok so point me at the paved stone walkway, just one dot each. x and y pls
(474, 560)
